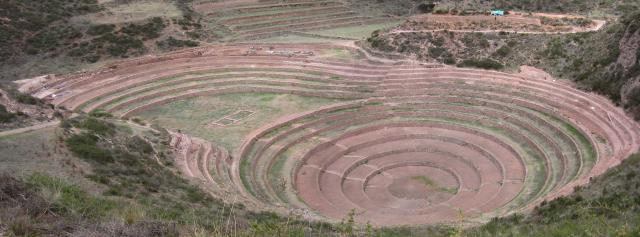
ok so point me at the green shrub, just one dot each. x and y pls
(438, 41)
(503, 51)
(437, 51)
(85, 146)
(441, 11)
(194, 194)
(97, 126)
(426, 7)
(485, 63)
(473, 40)
(6, 116)
(98, 113)
(52, 38)
(140, 145)
(71, 200)
(449, 60)
(172, 43)
(100, 29)
(555, 48)
(633, 97)
(149, 30)
(26, 98)
(120, 45)
(378, 42)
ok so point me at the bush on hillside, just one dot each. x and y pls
(485, 63)
(173, 43)
(97, 126)
(6, 116)
(426, 7)
(85, 146)
(27, 99)
(100, 29)
(503, 51)
(149, 30)
(136, 143)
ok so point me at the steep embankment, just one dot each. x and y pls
(628, 65)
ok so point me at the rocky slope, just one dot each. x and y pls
(628, 66)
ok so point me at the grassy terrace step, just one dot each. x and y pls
(543, 89)
(311, 67)
(484, 87)
(506, 101)
(275, 7)
(497, 94)
(222, 80)
(291, 20)
(214, 82)
(576, 136)
(109, 100)
(125, 82)
(226, 61)
(240, 73)
(269, 16)
(474, 75)
(367, 158)
(274, 172)
(304, 24)
(364, 22)
(203, 161)
(137, 108)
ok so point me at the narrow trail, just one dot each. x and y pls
(29, 129)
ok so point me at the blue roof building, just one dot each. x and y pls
(497, 12)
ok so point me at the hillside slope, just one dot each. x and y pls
(605, 61)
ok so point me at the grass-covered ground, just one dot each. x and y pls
(195, 116)
(356, 32)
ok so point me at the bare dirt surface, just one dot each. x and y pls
(410, 144)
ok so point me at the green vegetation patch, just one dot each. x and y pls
(6, 116)
(357, 32)
(195, 116)
(485, 63)
(431, 184)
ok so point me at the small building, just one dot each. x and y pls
(497, 12)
